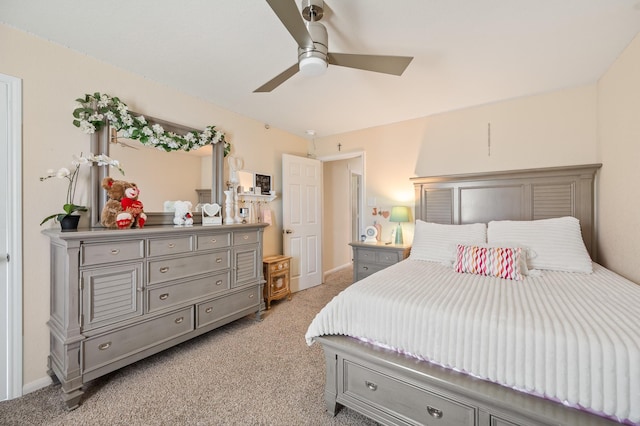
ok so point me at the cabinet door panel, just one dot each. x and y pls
(246, 266)
(111, 294)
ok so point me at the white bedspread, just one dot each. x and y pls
(570, 337)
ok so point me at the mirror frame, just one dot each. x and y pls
(98, 196)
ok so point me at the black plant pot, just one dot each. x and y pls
(69, 223)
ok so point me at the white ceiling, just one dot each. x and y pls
(466, 52)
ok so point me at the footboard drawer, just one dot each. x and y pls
(107, 348)
(404, 400)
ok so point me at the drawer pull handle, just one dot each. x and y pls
(164, 269)
(219, 282)
(372, 386)
(208, 310)
(171, 245)
(104, 346)
(213, 240)
(245, 237)
(164, 296)
(115, 251)
(251, 296)
(179, 320)
(434, 412)
(219, 260)
(366, 268)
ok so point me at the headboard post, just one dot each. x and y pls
(527, 194)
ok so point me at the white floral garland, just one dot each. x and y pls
(93, 111)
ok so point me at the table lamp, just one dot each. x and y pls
(399, 214)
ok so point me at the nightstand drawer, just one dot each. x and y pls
(365, 255)
(388, 258)
(366, 269)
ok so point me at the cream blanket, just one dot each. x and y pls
(570, 337)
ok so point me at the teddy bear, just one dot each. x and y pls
(183, 215)
(123, 209)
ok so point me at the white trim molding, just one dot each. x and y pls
(14, 233)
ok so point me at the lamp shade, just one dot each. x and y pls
(399, 214)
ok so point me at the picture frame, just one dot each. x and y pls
(263, 182)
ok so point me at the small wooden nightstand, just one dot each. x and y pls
(276, 274)
(370, 258)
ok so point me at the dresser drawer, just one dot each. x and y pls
(171, 269)
(248, 237)
(218, 309)
(403, 399)
(120, 251)
(107, 348)
(171, 295)
(387, 257)
(208, 242)
(164, 246)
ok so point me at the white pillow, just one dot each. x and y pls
(437, 243)
(554, 244)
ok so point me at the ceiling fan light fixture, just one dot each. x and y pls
(312, 66)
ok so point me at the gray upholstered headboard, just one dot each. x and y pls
(511, 195)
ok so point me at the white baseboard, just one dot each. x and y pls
(336, 269)
(37, 384)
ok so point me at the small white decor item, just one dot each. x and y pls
(370, 233)
(228, 208)
(211, 214)
(183, 215)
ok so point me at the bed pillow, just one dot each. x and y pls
(501, 262)
(437, 243)
(554, 244)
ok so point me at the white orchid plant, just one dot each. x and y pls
(72, 176)
(94, 111)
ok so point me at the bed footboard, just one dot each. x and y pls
(394, 389)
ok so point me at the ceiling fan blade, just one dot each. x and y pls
(290, 16)
(385, 64)
(278, 80)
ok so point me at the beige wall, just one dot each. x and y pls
(619, 151)
(53, 77)
(552, 129)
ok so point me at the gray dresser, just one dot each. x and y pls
(118, 296)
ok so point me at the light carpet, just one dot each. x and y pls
(245, 373)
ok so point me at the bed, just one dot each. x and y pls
(499, 316)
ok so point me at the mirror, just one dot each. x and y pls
(154, 164)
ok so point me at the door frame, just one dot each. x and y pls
(363, 188)
(14, 233)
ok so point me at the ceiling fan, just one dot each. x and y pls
(313, 51)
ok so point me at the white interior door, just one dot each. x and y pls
(302, 219)
(10, 238)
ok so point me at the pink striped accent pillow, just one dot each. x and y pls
(501, 262)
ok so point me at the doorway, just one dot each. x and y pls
(10, 237)
(343, 202)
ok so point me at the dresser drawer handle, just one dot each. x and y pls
(219, 260)
(179, 320)
(115, 251)
(164, 269)
(164, 296)
(208, 310)
(366, 268)
(251, 296)
(171, 245)
(245, 237)
(219, 282)
(434, 412)
(213, 240)
(372, 386)
(104, 346)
